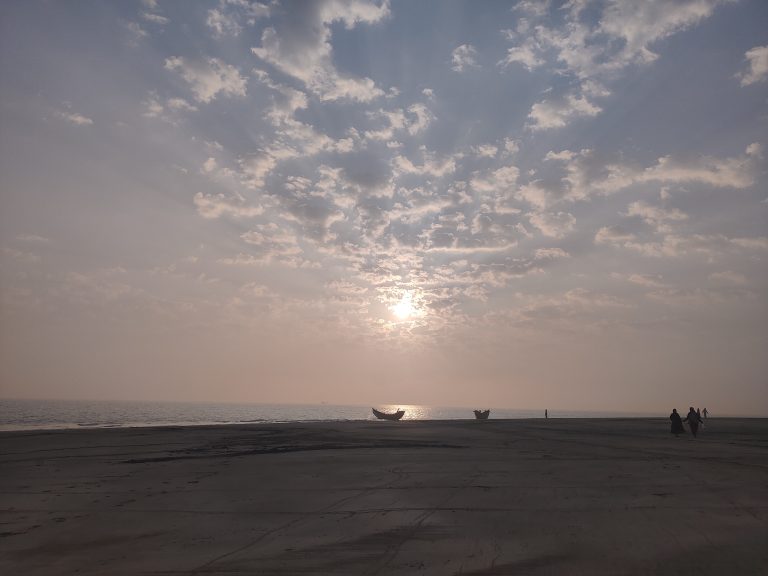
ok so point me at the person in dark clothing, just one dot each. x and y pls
(677, 423)
(693, 420)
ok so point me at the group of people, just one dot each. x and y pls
(693, 418)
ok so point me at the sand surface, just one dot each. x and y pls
(618, 496)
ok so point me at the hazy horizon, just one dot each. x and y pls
(513, 204)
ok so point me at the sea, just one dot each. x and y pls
(61, 414)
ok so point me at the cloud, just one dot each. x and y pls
(256, 167)
(656, 216)
(155, 18)
(557, 113)
(553, 224)
(707, 246)
(525, 54)
(613, 235)
(757, 59)
(209, 77)
(74, 118)
(420, 119)
(485, 150)
(300, 46)
(222, 23)
(618, 34)
(587, 175)
(533, 7)
(20, 255)
(227, 18)
(550, 254)
(397, 121)
(623, 34)
(647, 280)
(432, 166)
(463, 57)
(213, 206)
(511, 147)
(168, 111)
(135, 32)
(722, 173)
(273, 243)
(640, 24)
(728, 278)
(33, 238)
(758, 243)
(496, 184)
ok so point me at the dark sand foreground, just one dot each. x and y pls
(619, 496)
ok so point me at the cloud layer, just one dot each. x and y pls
(550, 190)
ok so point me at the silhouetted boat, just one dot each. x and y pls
(384, 416)
(482, 414)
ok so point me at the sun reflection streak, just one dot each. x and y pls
(412, 411)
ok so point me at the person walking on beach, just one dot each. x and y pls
(677, 423)
(693, 420)
(546, 415)
(705, 412)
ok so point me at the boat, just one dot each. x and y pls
(384, 416)
(482, 414)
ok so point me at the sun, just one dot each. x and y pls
(405, 308)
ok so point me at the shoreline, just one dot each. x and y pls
(185, 425)
(533, 496)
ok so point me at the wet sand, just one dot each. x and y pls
(613, 496)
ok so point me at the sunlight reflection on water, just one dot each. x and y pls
(420, 412)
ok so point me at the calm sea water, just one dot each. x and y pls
(51, 414)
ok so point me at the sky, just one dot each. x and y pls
(456, 203)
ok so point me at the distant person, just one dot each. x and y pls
(546, 415)
(693, 420)
(705, 412)
(677, 423)
(698, 413)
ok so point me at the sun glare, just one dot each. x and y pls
(404, 309)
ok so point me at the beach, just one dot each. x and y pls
(557, 496)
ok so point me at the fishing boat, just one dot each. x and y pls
(482, 414)
(384, 416)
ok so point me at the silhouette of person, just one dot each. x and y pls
(698, 413)
(677, 423)
(705, 412)
(693, 420)
(546, 415)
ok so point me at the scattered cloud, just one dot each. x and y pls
(33, 238)
(300, 46)
(217, 205)
(209, 77)
(525, 54)
(228, 17)
(135, 33)
(155, 18)
(556, 113)
(656, 216)
(757, 61)
(553, 224)
(168, 110)
(464, 57)
(593, 50)
(74, 118)
(728, 278)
